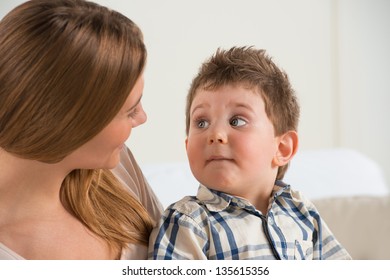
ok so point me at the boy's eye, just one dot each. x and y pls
(202, 124)
(237, 122)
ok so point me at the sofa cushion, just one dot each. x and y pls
(360, 223)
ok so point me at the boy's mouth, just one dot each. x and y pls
(217, 158)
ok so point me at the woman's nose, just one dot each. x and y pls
(140, 118)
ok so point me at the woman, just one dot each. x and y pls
(71, 76)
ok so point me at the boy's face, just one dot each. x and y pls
(231, 143)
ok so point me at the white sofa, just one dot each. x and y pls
(348, 189)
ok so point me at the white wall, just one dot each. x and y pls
(335, 52)
(364, 74)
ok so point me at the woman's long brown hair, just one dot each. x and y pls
(66, 69)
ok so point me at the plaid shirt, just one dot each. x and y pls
(214, 225)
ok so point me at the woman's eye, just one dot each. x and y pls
(133, 113)
(237, 122)
(202, 124)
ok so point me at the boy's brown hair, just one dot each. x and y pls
(253, 69)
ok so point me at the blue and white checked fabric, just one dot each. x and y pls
(214, 225)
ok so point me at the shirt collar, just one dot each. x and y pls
(280, 188)
(218, 201)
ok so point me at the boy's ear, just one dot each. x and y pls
(186, 142)
(288, 146)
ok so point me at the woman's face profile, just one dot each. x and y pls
(103, 151)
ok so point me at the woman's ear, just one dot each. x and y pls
(287, 147)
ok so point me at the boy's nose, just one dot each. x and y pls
(217, 137)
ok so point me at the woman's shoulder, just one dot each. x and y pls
(130, 175)
(134, 252)
(8, 254)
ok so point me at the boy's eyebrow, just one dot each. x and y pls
(236, 104)
(136, 104)
(243, 105)
(200, 106)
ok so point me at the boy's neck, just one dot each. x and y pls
(260, 199)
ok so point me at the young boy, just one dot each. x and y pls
(241, 122)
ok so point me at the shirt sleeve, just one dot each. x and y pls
(331, 247)
(177, 237)
(131, 176)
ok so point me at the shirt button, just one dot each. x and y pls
(240, 204)
(270, 222)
